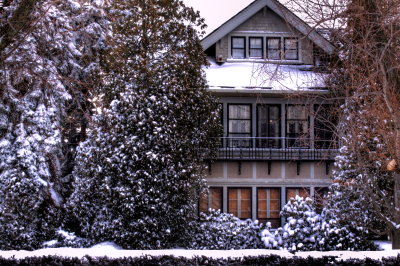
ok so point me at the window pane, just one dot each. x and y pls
(256, 53)
(203, 202)
(291, 44)
(239, 202)
(274, 48)
(238, 42)
(256, 43)
(216, 198)
(297, 111)
(256, 47)
(238, 53)
(291, 49)
(239, 111)
(268, 205)
(291, 55)
(274, 54)
(273, 43)
(274, 112)
(240, 126)
(211, 200)
(293, 192)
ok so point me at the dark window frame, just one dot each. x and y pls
(279, 49)
(280, 205)
(231, 134)
(296, 140)
(324, 135)
(240, 48)
(308, 189)
(259, 145)
(208, 195)
(287, 49)
(251, 200)
(261, 48)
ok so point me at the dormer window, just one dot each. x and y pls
(291, 49)
(274, 48)
(256, 47)
(238, 47)
(269, 48)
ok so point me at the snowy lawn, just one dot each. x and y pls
(113, 251)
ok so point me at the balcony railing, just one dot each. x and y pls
(260, 148)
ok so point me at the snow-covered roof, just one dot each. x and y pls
(279, 9)
(262, 77)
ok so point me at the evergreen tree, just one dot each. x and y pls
(46, 47)
(138, 173)
(362, 188)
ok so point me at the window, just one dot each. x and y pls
(291, 49)
(239, 202)
(239, 125)
(324, 123)
(268, 125)
(293, 192)
(274, 48)
(238, 47)
(297, 128)
(269, 206)
(320, 194)
(256, 47)
(211, 200)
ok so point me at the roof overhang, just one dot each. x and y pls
(279, 9)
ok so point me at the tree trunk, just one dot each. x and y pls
(396, 233)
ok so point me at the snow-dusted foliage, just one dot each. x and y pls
(63, 238)
(216, 230)
(362, 190)
(306, 230)
(44, 47)
(138, 173)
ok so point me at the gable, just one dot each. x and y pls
(267, 16)
(264, 20)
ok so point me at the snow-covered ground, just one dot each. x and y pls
(113, 251)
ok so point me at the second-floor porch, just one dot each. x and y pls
(276, 148)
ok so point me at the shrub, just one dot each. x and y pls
(66, 239)
(217, 230)
(307, 230)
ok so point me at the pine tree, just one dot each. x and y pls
(46, 48)
(138, 173)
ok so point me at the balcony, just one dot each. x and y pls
(270, 149)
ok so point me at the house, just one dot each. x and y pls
(265, 67)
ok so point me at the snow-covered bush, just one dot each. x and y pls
(306, 230)
(47, 48)
(216, 230)
(138, 173)
(63, 238)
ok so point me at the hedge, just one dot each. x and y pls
(171, 260)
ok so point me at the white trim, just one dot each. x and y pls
(280, 10)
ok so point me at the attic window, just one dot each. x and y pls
(274, 48)
(256, 47)
(238, 47)
(291, 49)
